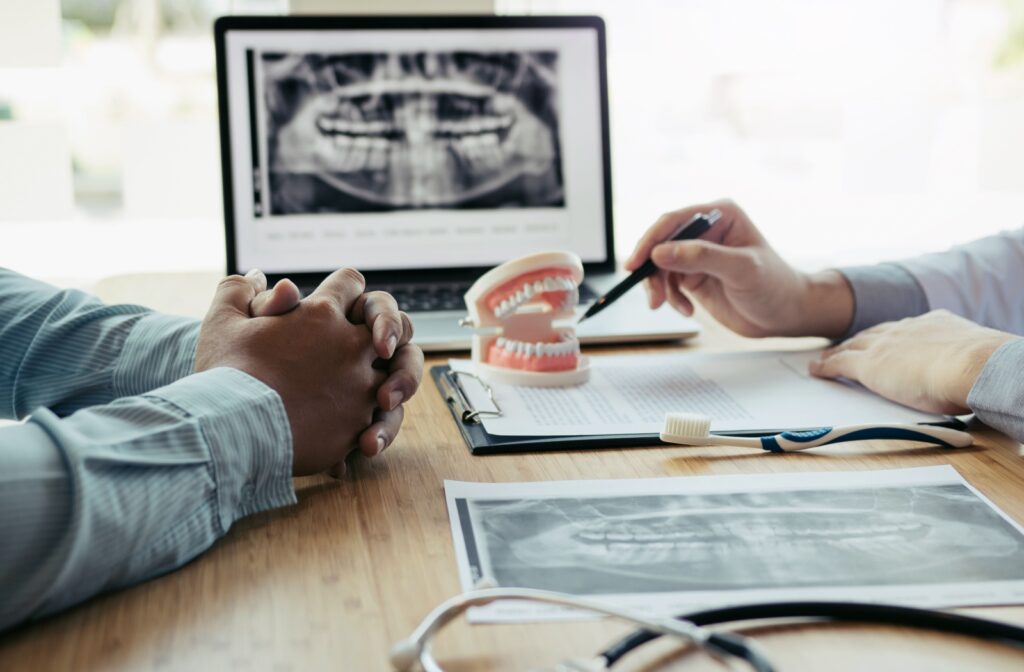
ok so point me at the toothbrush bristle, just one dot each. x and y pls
(685, 425)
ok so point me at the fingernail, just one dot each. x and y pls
(253, 273)
(392, 344)
(395, 398)
(381, 443)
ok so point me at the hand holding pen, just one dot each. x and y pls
(695, 227)
(739, 279)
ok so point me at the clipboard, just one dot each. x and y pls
(480, 442)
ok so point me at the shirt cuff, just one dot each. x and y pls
(997, 397)
(246, 427)
(883, 293)
(159, 350)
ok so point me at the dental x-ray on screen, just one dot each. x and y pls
(391, 145)
(368, 131)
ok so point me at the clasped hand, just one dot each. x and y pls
(340, 359)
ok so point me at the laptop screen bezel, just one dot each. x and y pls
(482, 22)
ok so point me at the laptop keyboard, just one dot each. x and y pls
(434, 297)
(428, 298)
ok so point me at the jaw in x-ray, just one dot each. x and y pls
(930, 534)
(361, 132)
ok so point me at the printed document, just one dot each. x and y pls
(739, 391)
(666, 546)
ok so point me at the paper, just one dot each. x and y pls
(667, 546)
(741, 391)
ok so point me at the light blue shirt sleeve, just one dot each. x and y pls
(120, 489)
(981, 281)
(883, 293)
(997, 397)
(65, 350)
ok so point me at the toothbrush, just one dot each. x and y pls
(691, 429)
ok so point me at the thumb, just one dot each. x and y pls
(701, 256)
(231, 298)
(283, 298)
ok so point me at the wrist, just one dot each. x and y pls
(825, 307)
(973, 360)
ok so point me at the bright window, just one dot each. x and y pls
(851, 130)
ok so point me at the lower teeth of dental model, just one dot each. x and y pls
(568, 346)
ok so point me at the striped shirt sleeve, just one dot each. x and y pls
(65, 350)
(122, 492)
(128, 466)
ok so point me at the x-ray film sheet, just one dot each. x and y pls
(664, 546)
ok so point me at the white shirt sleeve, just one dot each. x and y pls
(982, 280)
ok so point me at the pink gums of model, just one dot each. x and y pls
(515, 307)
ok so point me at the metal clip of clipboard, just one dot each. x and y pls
(455, 396)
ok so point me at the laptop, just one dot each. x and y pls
(422, 151)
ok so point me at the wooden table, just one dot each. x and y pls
(333, 582)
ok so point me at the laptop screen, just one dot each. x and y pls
(411, 145)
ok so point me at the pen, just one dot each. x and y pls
(695, 228)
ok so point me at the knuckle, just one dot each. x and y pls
(386, 298)
(404, 380)
(395, 417)
(322, 310)
(354, 275)
(232, 281)
(754, 261)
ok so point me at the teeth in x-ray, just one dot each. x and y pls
(470, 146)
(378, 157)
(468, 151)
(475, 126)
(634, 541)
(358, 154)
(412, 130)
(350, 127)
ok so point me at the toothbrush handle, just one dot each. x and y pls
(787, 441)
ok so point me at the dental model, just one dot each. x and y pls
(514, 308)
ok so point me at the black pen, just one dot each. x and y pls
(695, 228)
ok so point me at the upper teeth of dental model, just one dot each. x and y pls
(521, 300)
(530, 289)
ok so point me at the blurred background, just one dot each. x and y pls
(851, 130)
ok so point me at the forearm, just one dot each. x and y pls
(997, 396)
(119, 493)
(65, 350)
